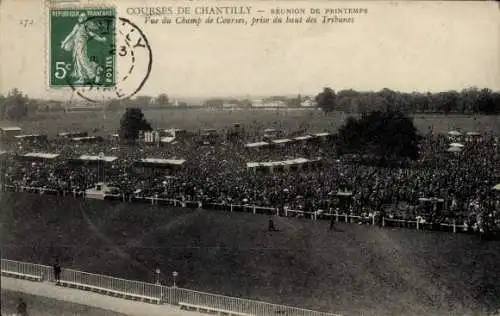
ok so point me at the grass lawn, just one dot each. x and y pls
(192, 119)
(353, 270)
(42, 306)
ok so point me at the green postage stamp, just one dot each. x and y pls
(82, 47)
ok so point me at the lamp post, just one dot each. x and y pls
(158, 276)
(175, 274)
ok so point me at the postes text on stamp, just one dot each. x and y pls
(82, 44)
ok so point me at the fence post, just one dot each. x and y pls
(346, 217)
(336, 216)
(254, 210)
(373, 219)
(383, 222)
(286, 212)
(231, 207)
(418, 222)
(454, 226)
(277, 211)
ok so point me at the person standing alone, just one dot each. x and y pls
(22, 308)
(57, 272)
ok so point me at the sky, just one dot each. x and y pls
(405, 46)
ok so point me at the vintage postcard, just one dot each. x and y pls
(263, 158)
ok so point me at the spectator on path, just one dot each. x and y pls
(57, 272)
(22, 308)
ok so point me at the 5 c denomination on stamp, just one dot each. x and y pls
(82, 43)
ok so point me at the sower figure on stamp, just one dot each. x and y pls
(57, 271)
(84, 69)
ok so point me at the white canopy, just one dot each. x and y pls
(10, 128)
(161, 161)
(454, 149)
(288, 162)
(454, 133)
(473, 134)
(456, 145)
(167, 139)
(322, 134)
(305, 137)
(76, 139)
(282, 141)
(26, 136)
(258, 144)
(97, 158)
(42, 155)
(497, 187)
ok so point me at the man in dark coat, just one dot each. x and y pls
(57, 271)
(22, 308)
(270, 226)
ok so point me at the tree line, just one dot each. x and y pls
(16, 105)
(468, 101)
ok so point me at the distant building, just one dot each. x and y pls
(230, 105)
(308, 103)
(268, 104)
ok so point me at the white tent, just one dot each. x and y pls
(456, 145)
(258, 144)
(305, 137)
(454, 149)
(160, 161)
(282, 141)
(97, 158)
(454, 133)
(473, 134)
(42, 155)
(497, 187)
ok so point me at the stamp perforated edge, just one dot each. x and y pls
(48, 6)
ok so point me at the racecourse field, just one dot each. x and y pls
(103, 124)
(43, 306)
(353, 270)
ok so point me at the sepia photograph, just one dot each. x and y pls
(249, 158)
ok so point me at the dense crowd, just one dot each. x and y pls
(441, 186)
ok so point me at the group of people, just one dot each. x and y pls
(441, 186)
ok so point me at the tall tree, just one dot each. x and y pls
(16, 105)
(326, 100)
(162, 100)
(388, 134)
(132, 122)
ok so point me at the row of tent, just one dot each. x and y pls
(102, 157)
(286, 140)
(282, 163)
(457, 133)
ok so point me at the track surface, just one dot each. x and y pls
(353, 270)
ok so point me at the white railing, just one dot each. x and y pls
(419, 224)
(261, 209)
(238, 305)
(168, 295)
(113, 284)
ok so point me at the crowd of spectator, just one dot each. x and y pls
(441, 186)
